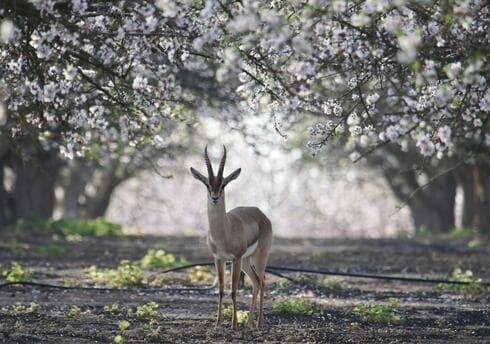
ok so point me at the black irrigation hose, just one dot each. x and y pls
(382, 277)
(138, 290)
(270, 269)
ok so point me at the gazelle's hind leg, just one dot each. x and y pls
(249, 270)
(259, 263)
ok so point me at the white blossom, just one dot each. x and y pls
(426, 146)
(243, 23)
(7, 31)
(477, 122)
(453, 69)
(169, 7)
(140, 82)
(49, 92)
(408, 45)
(444, 134)
(360, 19)
(79, 6)
(372, 98)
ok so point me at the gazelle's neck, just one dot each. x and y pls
(218, 222)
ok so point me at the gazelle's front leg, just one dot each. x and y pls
(235, 276)
(220, 271)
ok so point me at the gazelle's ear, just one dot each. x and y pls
(199, 176)
(234, 175)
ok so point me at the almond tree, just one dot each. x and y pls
(405, 79)
(79, 80)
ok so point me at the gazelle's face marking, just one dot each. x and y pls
(215, 190)
(215, 184)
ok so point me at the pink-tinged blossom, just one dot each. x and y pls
(392, 133)
(426, 146)
(485, 102)
(49, 92)
(79, 6)
(130, 60)
(444, 134)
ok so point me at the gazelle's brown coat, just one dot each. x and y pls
(242, 235)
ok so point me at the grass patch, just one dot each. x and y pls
(147, 310)
(200, 274)
(131, 273)
(473, 287)
(16, 273)
(333, 283)
(376, 312)
(123, 325)
(31, 308)
(158, 258)
(51, 248)
(463, 233)
(242, 316)
(73, 312)
(127, 274)
(296, 306)
(84, 227)
(419, 232)
(113, 308)
(471, 235)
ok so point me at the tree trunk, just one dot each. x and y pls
(5, 204)
(97, 205)
(475, 181)
(484, 209)
(433, 207)
(482, 191)
(79, 174)
(4, 201)
(466, 177)
(33, 192)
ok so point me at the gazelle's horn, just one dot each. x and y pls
(222, 164)
(208, 163)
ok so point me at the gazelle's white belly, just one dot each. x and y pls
(228, 256)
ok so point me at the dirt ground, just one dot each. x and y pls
(427, 314)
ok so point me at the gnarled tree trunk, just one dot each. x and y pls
(33, 193)
(475, 181)
(431, 199)
(433, 207)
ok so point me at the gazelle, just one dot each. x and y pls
(242, 235)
